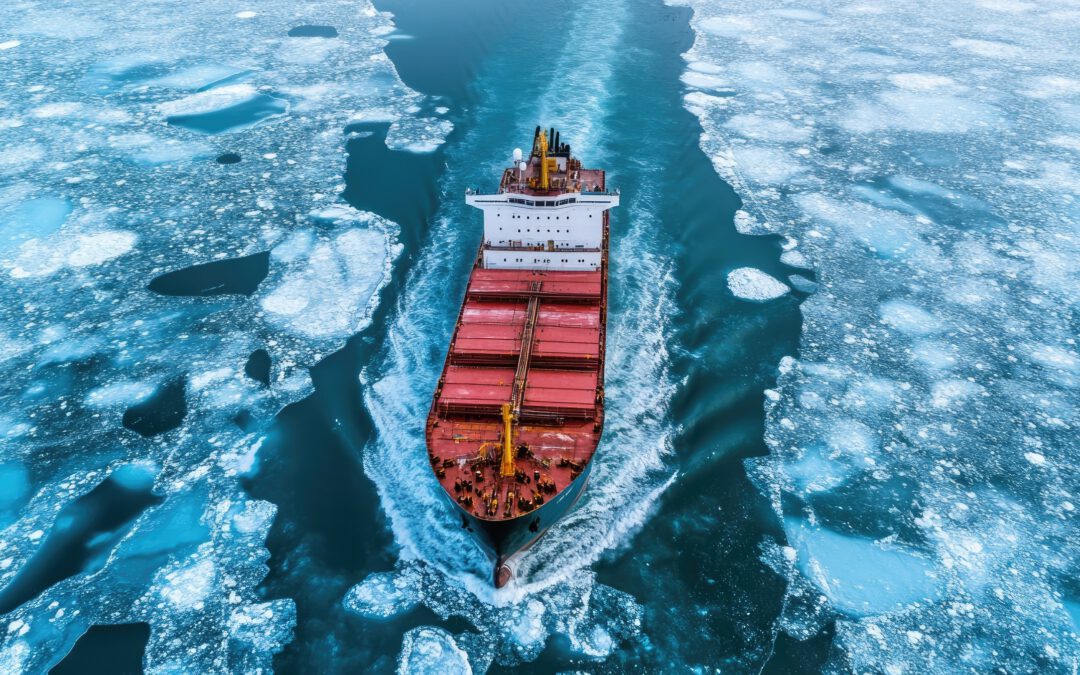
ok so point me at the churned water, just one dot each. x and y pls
(841, 394)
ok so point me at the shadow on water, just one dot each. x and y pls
(239, 116)
(309, 31)
(111, 650)
(85, 532)
(258, 366)
(454, 38)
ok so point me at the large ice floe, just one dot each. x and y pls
(924, 160)
(136, 141)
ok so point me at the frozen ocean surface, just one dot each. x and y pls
(924, 161)
(111, 118)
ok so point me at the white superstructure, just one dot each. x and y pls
(546, 215)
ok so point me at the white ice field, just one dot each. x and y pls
(111, 116)
(924, 159)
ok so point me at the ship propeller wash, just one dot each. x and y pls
(519, 408)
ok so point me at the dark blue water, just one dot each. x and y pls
(610, 79)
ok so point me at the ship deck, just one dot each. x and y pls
(559, 317)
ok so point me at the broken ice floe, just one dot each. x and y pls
(593, 618)
(328, 286)
(432, 650)
(935, 192)
(749, 283)
(860, 576)
(110, 181)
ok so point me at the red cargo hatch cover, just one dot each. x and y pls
(557, 390)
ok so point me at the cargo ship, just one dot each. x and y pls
(518, 411)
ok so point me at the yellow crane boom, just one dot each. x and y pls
(507, 468)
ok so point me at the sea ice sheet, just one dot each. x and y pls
(931, 177)
(111, 117)
(925, 162)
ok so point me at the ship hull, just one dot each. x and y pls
(503, 540)
(518, 411)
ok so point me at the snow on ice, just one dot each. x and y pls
(921, 445)
(753, 284)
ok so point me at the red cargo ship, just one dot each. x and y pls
(519, 409)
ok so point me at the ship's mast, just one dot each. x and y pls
(544, 178)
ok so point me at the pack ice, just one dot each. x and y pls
(924, 443)
(127, 417)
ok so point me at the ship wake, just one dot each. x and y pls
(554, 592)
